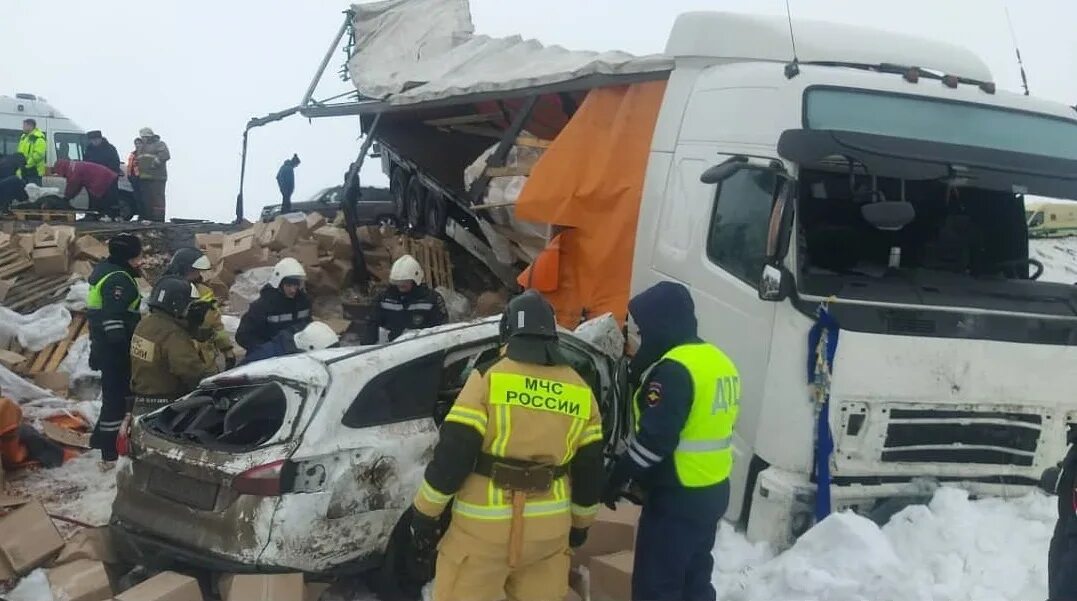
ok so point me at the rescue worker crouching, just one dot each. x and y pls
(314, 337)
(282, 305)
(408, 303)
(203, 316)
(686, 405)
(113, 304)
(165, 363)
(521, 452)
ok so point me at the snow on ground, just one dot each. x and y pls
(76, 490)
(1059, 257)
(953, 549)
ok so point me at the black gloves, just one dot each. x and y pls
(615, 485)
(425, 532)
(576, 537)
(1049, 479)
(229, 360)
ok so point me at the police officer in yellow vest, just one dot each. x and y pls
(686, 403)
(520, 455)
(113, 305)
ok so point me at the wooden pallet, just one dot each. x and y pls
(44, 215)
(31, 292)
(49, 358)
(434, 258)
(13, 262)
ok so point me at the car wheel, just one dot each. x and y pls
(395, 580)
(436, 214)
(415, 200)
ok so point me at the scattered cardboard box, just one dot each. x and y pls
(338, 271)
(318, 283)
(90, 249)
(11, 359)
(28, 538)
(5, 288)
(59, 236)
(82, 269)
(313, 591)
(56, 381)
(329, 237)
(304, 251)
(80, 580)
(612, 531)
(51, 260)
(65, 436)
(611, 576)
(166, 586)
(213, 253)
(5, 239)
(369, 235)
(241, 254)
(24, 242)
(261, 587)
(206, 241)
(315, 220)
(94, 544)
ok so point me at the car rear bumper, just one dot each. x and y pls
(142, 548)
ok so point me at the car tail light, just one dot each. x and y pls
(263, 481)
(123, 438)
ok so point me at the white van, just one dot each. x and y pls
(66, 140)
(1051, 219)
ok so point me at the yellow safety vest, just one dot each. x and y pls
(95, 300)
(704, 455)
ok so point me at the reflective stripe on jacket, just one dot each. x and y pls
(704, 455)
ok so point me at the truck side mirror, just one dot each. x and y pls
(724, 170)
(773, 284)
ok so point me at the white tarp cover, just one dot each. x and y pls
(413, 51)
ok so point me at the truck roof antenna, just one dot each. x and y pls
(793, 68)
(1016, 49)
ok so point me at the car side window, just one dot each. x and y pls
(405, 392)
(737, 237)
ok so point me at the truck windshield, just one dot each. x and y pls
(919, 118)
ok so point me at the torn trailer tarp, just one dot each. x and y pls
(418, 51)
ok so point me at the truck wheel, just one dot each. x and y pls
(415, 200)
(398, 183)
(436, 214)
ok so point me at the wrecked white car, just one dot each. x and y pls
(308, 462)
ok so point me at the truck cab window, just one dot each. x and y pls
(9, 141)
(737, 238)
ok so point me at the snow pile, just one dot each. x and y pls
(1059, 258)
(35, 587)
(953, 549)
(77, 489)
(36, 330)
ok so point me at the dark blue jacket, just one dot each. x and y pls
(280, 345)
(1062, 556)
(286, 177)
(666, 318)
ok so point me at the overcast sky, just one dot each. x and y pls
(196, 70)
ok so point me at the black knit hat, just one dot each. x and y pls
(124, 247)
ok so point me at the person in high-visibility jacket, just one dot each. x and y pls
(520, 455)
(685, 407)
(33, 146)
(113, 307)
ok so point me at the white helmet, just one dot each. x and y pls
(315, 337)
(286, 268)
(406, 268)
(194, 293)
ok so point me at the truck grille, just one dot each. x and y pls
(983, 437)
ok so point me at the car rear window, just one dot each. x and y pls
(233, 417)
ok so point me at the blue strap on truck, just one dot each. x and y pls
(822, 344)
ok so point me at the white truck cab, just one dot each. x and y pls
(883, 177)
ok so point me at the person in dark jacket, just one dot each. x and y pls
(12, 189)
(407, 304)
(113, 305)
(11, 164)
(100, 151)
(686, 404)
(1062, 556)
(286, 182)
(282, 305)
(100, 183)
(314, 337)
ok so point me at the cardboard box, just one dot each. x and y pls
(94, 544)
(166, 586)
(213, 253)
(611, 576)
(56, 381)
(329, 238)
(90, 249)
(51, 260)
(5, 239)
(28, 538)
(313, 591)
(82, 269)
(315, 220)
(612, 531)
(24, 242)
(338, 325)
(241, 254)
(80, 580)
(369, 235)
(304, 251)
(318, 283)
(65, 436)
(10, 359)
(206, 241)
(60, 236)
(261, 587)
(339, 272)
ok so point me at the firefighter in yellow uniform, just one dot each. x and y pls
(520, 455)
(204, 316)
(165, 363)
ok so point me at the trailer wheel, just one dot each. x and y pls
(398, 183)
(415, 200)
(436, 214)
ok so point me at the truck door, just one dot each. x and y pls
(713, 239)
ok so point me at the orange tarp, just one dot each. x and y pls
(590, 180)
